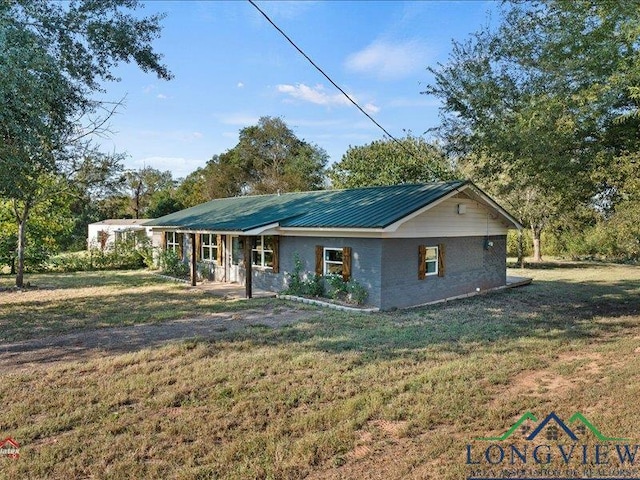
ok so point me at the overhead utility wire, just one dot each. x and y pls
(438, 175)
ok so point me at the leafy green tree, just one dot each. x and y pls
(142, 185)
(386, 162)
(528, 107)
(268, 158)
(53, 57)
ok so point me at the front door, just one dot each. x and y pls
(234, 256)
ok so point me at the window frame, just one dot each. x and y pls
(258, 248)
(325, 261)
(172, 241)
(210, 246)
(434, 260)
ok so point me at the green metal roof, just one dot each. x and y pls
(370, 207)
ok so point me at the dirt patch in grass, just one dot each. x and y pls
(328, 395)
(87, 344)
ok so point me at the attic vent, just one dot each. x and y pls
(462, 209)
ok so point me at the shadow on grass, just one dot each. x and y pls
(553, 310)
(75, 280)
(559, 265)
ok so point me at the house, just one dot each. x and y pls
(406, 244)
(107, 233)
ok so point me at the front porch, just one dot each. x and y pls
(232, 291)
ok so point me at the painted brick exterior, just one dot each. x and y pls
(388, 268)
(468, 265)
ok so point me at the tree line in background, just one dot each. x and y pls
(541, 112)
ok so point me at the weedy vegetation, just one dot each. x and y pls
(389, 395)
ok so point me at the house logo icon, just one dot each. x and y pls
(9, 448)
(553, 425)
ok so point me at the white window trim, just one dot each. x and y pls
(427, 261)
(326, 262)
(173, 241)
(261, 250)
(211, 246)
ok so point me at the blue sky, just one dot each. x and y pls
(232, 67)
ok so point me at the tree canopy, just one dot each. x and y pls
(387, 162)
(53, 58)
(540, 110)
(268, 158)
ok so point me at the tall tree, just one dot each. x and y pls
(387, 162)
(142, 185)
(53, 57)
(268, 158)
(527, 106)
(271, 159)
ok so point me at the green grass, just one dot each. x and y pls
(64, 302)
(398, 395)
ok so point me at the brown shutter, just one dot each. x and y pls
(441, 260)
(276, 254)
(319, 260)
(422, 262)
(181, 246)
(346, 263)
(198, 246)
(163, 241)
(219, 249)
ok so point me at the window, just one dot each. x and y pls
(262, 251)
(431, 260)
(209, 247)
(333, 261)
(173, 241)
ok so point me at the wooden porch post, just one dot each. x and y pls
(247, 266)
(193, 260)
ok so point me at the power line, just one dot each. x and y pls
(252, 2)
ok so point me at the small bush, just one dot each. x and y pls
(171, 264)
(349, 292)
(298, 285)
(124, 255)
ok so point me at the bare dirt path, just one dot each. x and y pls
(87, 344)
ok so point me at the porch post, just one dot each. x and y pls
(248, 280)
(193, 260)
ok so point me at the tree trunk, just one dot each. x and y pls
(22, 231)
(536, 231)
(521, 248)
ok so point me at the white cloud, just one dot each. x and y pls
(370, 108)
(240, 85)
(315, 94)
(389, 61)
(149, 88)
(161, 96)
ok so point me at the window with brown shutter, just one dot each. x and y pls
(346, 263)
(422, 262)
(431, 261)
(319, 260)
(180, 238)
(219, 251)
(441, 260)
(275, 267)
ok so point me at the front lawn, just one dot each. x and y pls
(391, 395)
